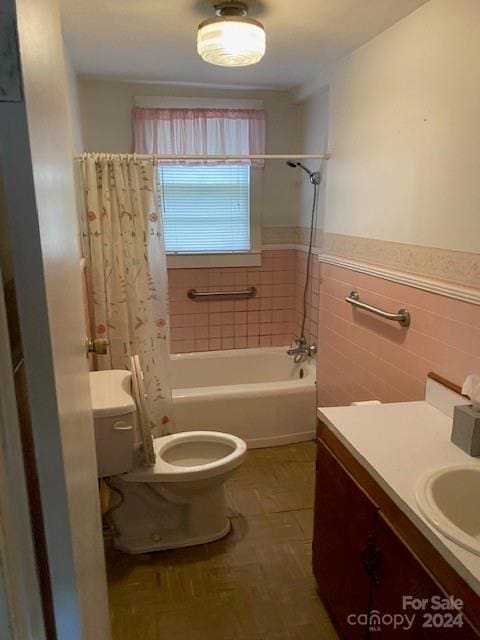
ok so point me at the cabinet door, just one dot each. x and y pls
(344, 522)
(400, 574)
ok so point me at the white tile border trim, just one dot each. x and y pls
(456, 292)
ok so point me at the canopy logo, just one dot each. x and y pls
(376, 621)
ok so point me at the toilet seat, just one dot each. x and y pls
(192, 455)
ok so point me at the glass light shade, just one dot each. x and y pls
(231, 41)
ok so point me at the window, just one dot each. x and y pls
(206, 209)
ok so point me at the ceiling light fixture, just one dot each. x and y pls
(231, 39)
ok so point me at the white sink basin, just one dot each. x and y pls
(449, 498)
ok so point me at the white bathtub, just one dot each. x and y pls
(260, 395)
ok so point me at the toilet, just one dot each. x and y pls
(177, 501)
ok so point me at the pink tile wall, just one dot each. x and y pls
(266, 320)
(311, 324)
(362, 357)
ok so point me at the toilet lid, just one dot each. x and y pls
(140, 396)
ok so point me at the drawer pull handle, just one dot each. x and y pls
(370, 557)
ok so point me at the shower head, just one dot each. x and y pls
(313, 175)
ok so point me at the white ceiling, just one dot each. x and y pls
(155, 40)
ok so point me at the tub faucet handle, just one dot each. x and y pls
(298, 342)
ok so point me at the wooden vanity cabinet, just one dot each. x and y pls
(363, 559)
(344, 522)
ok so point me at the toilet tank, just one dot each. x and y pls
(113, 416)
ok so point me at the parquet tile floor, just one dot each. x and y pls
(255, 584)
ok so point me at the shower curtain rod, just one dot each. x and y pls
(265, 156)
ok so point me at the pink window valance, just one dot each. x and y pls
(233, 132)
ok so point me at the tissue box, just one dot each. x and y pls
(466, 429)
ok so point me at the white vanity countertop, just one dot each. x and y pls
(398, 443)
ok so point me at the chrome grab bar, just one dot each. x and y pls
(402, 316)
(193, 294)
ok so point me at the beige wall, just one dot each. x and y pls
(313, 135)
(106, 107)
(404, 132)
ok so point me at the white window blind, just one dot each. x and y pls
(206, 209)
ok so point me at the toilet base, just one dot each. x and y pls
(160, 516)
(136, 546)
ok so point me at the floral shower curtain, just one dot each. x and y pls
(126, 272)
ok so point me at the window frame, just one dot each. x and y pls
(250, 258)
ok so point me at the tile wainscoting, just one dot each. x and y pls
(362, 357)
(272, 318)
(311, 323)
(299, 238)
(266, 320)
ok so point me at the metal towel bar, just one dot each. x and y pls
(402, 316)
(193, 294)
